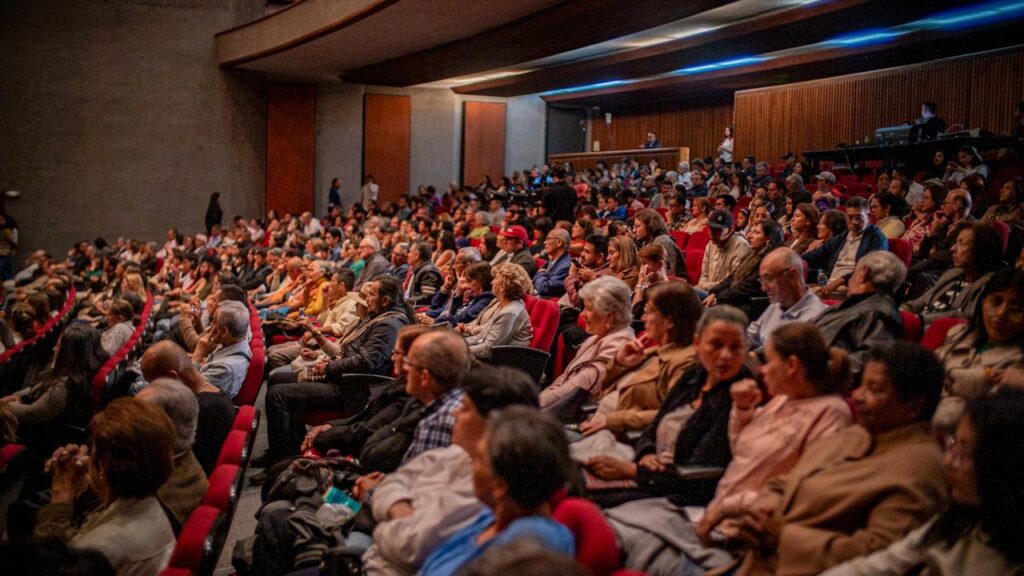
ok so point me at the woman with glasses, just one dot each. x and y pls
(977, 354)
(505, 320)
(980, 532)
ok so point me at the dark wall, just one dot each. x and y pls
(117, 120)
(566, 130)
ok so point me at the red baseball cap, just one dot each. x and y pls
(517, 232)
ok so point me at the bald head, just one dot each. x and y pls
(782, 274)
(165, 359)
(444, 354)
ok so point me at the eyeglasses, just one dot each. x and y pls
(959, 454)
(406, 362)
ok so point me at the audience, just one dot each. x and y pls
(505, 320)
(692, 459)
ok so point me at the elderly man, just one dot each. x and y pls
(762, 176)
(869, 315)
(550, 279)
(723, 253)
(367, 350)
(838, 256)
(223, 352)
(310, 225)
(399, 261)
(184, 490)
(376, 263)
(190, 324)
(782, 279)
(216, 411)
(423, 279)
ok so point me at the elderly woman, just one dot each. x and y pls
(975, 355)
(62, 394)
(130, 456)
(977, 254)
(606, 310)
(832, 223)
(622, 260)
(931, 200)
(481, 225)
(803, 225)
(642, 372)
(1010, 208)
(742, 288)
(505, 320)
(691, 426)
(805, 380)
(980, 531)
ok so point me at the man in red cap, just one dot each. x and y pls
(513, 240)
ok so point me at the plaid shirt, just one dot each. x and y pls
(435, 429)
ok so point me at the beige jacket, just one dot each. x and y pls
(640, 397)
(721, 262)
(850, 495)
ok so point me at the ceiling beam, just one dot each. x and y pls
(561, 28)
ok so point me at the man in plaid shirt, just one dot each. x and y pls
(436, 364)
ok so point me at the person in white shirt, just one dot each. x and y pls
(726, 147)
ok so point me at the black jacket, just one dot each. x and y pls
(858, 323)
(349, 435)
(425, 282)
(369, 350)
(559, 201)
(704, 441)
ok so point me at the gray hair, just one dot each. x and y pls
(233, 317)
(684, 167)
(762, 164)
(403, 246)
(794, 177)
(470, 255)
(180, 405)
(885, 270)
(372, 241)
(726, 313)
(609, 295)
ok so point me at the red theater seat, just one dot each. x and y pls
(200, 541)
(597, 547)
(937, 331)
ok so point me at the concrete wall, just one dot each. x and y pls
(436, 136)
(117, 120)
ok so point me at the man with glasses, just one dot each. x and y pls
(550, 280)
(839, 255)
(782, 280)
(435, 366)
(678, 213)
(376, 264)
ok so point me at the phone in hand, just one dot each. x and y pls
(576, 262)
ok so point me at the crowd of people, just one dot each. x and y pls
(761, 413)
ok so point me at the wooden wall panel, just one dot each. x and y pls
(698, 127)
(291, 147)
(977, 92)
(483, 141)
(386, 134)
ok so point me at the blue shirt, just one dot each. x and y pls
(461, 549)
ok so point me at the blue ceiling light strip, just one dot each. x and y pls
(587, 87)
(722, 64)
(956, 19)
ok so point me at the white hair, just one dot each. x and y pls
(233, 317)
(609, 295)
(180, 405)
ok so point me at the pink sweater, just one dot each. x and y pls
(768, 441)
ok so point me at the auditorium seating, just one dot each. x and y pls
(936, 333)
(544, 316)
(903, 249)
(254, 376)
(357, 387)
(681, 239)
(18, 362)
(201, 541)
(597, 547)
(114, 368)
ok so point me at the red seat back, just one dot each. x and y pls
(903, 249)
(253, 379)
(912, 328)
(698, 240)
(222, 493)
(694, 263)
(235, 449)
(597, 547)
(198, 545)
(1004, 232)
(937, 331)
(246, 419)
(544, 319)
(859, 189)
(681, 239)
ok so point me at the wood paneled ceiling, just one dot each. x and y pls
(602, 52)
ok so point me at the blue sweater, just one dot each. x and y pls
(454, 553)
